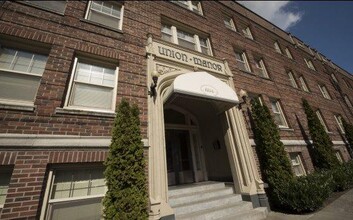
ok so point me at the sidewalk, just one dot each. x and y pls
(340, 209)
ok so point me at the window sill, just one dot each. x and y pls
(19, 107)
(101, 25)
(285, 129)
(255, 75)
(67, 111)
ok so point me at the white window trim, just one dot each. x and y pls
(292, 80)
(120, 19)
(339, 123)
(66, 106)
(278, 104)
(310, 64)
(324, 92)
(334, 78)
(339, 156)
(247, 33)
(277, 47)
(289, 54)
(190, 7)
(262, 68)
(232, 24)
(348, 101)
(300, 163)
(303, 84)
(319, 116)
(243, 55)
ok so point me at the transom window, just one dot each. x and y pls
(194, 6)
(229, 23)
(292, 80)
(75, 194)
(278, 114)
(247, 33)
(277, 47)
(93, 86)
(20, 75)
(186, 39)
(310, 64)
(289, 54)
(321, 119)
(57, 6)
(339, 123)
(242, 61)
(261, 68)
(297, 164)
(324, 92)
(106, 13)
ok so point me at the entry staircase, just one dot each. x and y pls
(211, 200)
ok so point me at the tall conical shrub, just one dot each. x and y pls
(322, 152)
(126, 197)
(348, 129)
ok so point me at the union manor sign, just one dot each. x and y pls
(187, 58)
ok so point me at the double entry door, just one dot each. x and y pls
(185, 160)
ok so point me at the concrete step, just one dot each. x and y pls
(201, 195)
(218, 212)
(254, 214)
(196, 187)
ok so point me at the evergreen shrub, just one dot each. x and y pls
(348, 129)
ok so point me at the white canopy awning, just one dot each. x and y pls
(205, 86)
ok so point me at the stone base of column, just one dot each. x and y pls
(257, 200)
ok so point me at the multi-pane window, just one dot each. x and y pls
(348, 85)
(186, 39)
(338, 155)
(348, 102)
(278, 114)
(20, 75)
(75, 194)
(229, 23)
(191, 5)
(297, 164)
(5, 176)
(339, 123)
(57, 6)
(277, 48)
(292, 80)
(303, 84)
(324, 92)
(242, 61)
(247, 33)
(107, 13)
(334, 78)
(310, 64)
(261, 68)
(321, 119)
(289, 54)
(93, 86)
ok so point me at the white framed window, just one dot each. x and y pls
(247, 33)
(186, 39)
(310, 64)
(229, 23)
(56, 6)
(297, 165)
(74, 193)
(321, 119)
(20, 75)
(5, 174)
(277, 47)
(261, 68)
(194, 6)
(339, 156)
(303, 84)
(339, 123)
(242, 61)
(253, 96)
(107, 13)
(289, 54)
(324, 92)
(348, 102)
(278, 114)
(334, 78)
(93, 86)
(292, 80)
(348, 85)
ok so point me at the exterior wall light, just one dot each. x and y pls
(244, 95)
(153, 85)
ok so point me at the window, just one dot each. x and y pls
(247, 33)
(278, 114)
(277, 48)
(229, 23)
(348, 85)
(186, 39)
(93, 86)
(253, 96)
(319, 116)
(242, 61)
(289, 54)
(5, 174)
(292, 80)
(348, 102)
(309, 64)
(194, 6)
(75, 193)
(20, 75)
(303, 84)
(324, 92)
(338, 155)
(334, 78)
(339, 123)
(261, 68)
(107, 13)
(297, 164)
(57, 6)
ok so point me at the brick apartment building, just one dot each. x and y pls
(65, 65)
